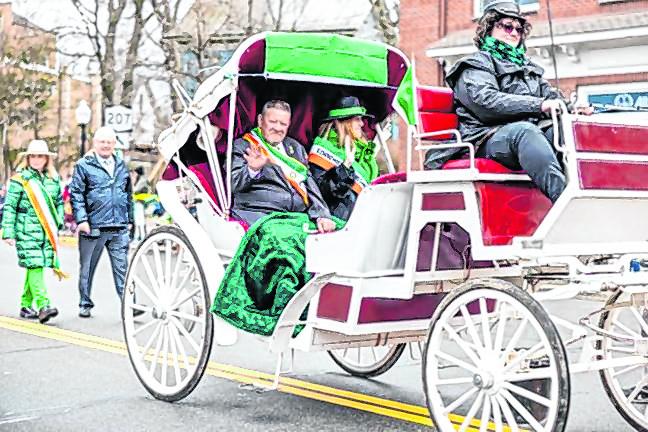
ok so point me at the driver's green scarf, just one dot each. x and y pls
(504, 51)
(267, 270)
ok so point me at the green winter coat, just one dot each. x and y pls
(20, 222)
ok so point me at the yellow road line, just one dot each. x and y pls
(385, 407)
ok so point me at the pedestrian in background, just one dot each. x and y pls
(33, 214)
(101, 195)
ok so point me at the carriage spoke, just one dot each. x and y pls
(470, 325)
(620, 349)
(526, 415)
(535, 397)
(174, 350)
(497, 415)
(501, 327)
(167, 265)
(151, 277)
(538, 374)
(537, 347)
(642, 321)
(183, 315)
(178, 342)
(513, 342)
(156, 353)
(486, 413)
(508, 414)
(178, 265)
(472, 411)
(456, 361)
(454, 381)
(139, 282)
(485, 323)
(184, 332)
(186, 298)
(461, 343)
(159, 271)
(165, 356)
(459, 401)
(145, 326)
(149, 343)
(373, 353)
(623, 327)
(184, 280)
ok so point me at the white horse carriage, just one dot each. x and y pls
(456, 260)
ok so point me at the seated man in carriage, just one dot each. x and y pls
(274, 192)
(501, 98)
(269, 172)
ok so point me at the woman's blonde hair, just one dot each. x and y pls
(50, 169)
(343, 129)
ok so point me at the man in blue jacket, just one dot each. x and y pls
(101, 195)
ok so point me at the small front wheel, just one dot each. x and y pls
(367, 362)
(167, 324)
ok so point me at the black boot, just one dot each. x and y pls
(46, 313)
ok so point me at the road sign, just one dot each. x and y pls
(119, 118)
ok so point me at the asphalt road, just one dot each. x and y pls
(74, 375)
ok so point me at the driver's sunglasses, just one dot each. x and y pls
(508, 28)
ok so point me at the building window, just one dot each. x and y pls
(525, 6)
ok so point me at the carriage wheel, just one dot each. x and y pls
(494, 360)
(169, 344)
(626, 385)
(367, 362)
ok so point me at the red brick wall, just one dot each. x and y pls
(422, 23)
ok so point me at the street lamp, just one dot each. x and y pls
(83, 114)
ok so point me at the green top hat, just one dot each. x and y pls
(347, 107)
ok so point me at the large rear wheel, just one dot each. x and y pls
(170, 342)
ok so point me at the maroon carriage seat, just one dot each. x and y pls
(508, 209)
(206, 179)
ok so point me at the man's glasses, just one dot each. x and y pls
(508, 28)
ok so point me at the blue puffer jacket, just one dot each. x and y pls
(99, 199)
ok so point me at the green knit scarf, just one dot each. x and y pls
(504, 51)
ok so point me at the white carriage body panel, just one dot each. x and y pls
(373, 239)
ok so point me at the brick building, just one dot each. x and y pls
(59, 121)
(601, 46)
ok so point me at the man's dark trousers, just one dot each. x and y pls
(116, 241)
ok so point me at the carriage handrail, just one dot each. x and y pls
(458, 144)
(562, 107)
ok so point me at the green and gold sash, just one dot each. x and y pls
(294, 171)
(47, 215)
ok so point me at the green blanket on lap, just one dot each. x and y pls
(266, 271)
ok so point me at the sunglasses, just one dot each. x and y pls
(508, 28)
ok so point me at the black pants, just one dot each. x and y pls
(523, 146)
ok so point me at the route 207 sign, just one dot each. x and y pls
(119, 118)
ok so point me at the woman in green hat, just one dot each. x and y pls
(342, 160)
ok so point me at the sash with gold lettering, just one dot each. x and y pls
(47, 214)
(294, 171)
(324, 158)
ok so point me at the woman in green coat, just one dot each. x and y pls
(342, 160)
(33, 214)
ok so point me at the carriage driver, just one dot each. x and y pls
(270, 174)
(501, 98)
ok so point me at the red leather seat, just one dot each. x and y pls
(483, 165)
